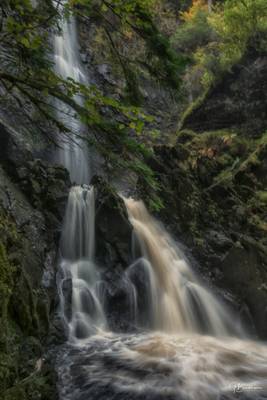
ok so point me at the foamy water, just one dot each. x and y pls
(157, 366)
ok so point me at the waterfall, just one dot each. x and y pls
(176, 301)
(181, 345)
(78, 267)
(78, 236)
(173, 299)
(79, 282)
(72, 152)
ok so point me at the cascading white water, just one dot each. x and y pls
(72, 152)
(177, 302)
(78, 236)
(77, 265)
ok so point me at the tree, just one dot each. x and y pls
(240, 25)
(195, 31)
(218, 37)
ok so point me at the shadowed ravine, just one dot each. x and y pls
(185, 343)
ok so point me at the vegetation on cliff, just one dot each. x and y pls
(206, 178)
(209, 39)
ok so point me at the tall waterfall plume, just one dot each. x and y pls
(72, 153)
(79, 280)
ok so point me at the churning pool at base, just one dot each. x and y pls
(158, 366)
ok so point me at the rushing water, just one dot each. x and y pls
(72, 152)
(78, 268)
(158, 366)
(183, 345)
(80, 303)
(177, 302)
(183, 348)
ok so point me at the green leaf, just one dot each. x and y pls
(25, 41)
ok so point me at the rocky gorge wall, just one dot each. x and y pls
(237, 101)
(215, 187)
(33, 194)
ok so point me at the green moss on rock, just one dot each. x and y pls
(23, 319)
(215, 200)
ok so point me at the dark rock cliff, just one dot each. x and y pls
(32, 201)
(239, 101)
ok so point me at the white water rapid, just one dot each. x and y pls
(181, 342)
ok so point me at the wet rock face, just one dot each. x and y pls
(113, 252)
(45, 185)
(244, 272)
(13, 151)
(239, 101)
(113, 229)
(32, 202)
(104, 70)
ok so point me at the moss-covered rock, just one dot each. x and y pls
(238, 101)
(23, 323)
(213, 191)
